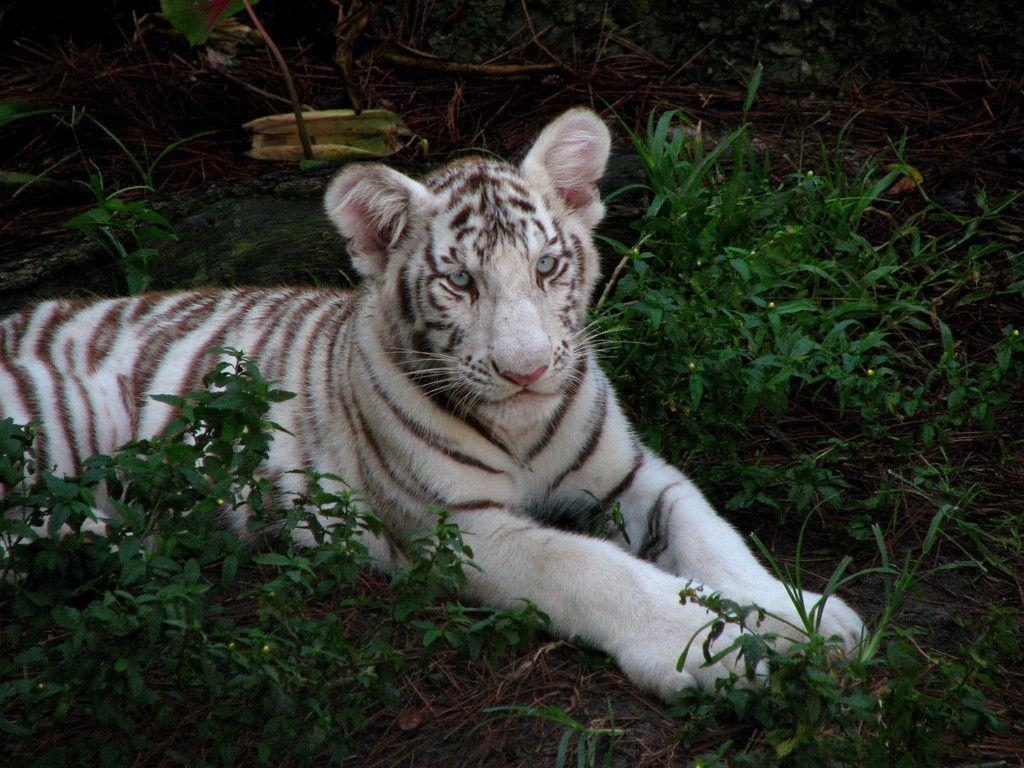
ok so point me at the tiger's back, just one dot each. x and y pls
(86, 370)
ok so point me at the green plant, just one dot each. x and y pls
(750, 303)
(588, 738)
(887, 704)
(123, 224)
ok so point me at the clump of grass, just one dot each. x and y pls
(592, 745)
(165, 639)
(123, 221)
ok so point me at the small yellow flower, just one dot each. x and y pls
(871, 371)
(810, 174)
(700, 262)
(266, 648)
(691, 366)
(771, 305)
(231, 645)
(1016, 333)
(40, 686)
(220, 501)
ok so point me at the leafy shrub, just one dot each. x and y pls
(165, 639)
(749, 305)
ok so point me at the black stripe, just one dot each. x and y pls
(479, 428)
(623, 485)
(159, 333)
(9, 349)
(421, 491)
(454, 339)
(274, 347)
(105, 335)
(61, 312)
(194, 370)
(461, 217)
(592, 441)
(653, 543)
(443, 403)
(551, 428)
(420, 431)
(405, 295)
(357, 429)
(474, 505)
(22, 388)
(521, 203)
(272, 322)
(307, 415)
(88, 430)
(341, 345)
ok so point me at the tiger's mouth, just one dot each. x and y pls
(526, 394)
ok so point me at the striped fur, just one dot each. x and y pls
(459, 376)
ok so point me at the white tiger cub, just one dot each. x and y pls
(459, 376)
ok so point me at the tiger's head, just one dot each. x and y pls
(482, 270)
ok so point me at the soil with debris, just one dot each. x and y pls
(964, 131)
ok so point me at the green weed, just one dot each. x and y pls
(593, 746)
(749, 306)
(888, 704)
(164, 635)
(121, 222)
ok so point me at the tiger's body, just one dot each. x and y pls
(459, 376)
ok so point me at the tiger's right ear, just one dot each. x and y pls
(374, 207)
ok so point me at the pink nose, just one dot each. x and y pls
(524, 379)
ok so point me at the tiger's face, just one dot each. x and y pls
(483, 270)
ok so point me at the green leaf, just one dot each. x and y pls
(195, 19)
(272, 558)
(752, 88)
(16, 110)
(229, 568)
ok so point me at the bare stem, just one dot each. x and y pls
(300, 124)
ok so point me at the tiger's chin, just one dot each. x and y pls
(520, 411)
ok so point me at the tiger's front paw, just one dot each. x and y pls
(651, 660)
(837, 620)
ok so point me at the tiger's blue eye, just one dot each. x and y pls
(460, 279)
(545, 264)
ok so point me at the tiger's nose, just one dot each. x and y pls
(524, 379)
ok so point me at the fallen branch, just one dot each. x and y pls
(517, 71)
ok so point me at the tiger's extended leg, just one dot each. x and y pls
(593, 589)
(669, 522)
(674, 539)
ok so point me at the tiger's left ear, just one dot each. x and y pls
(568, 158)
